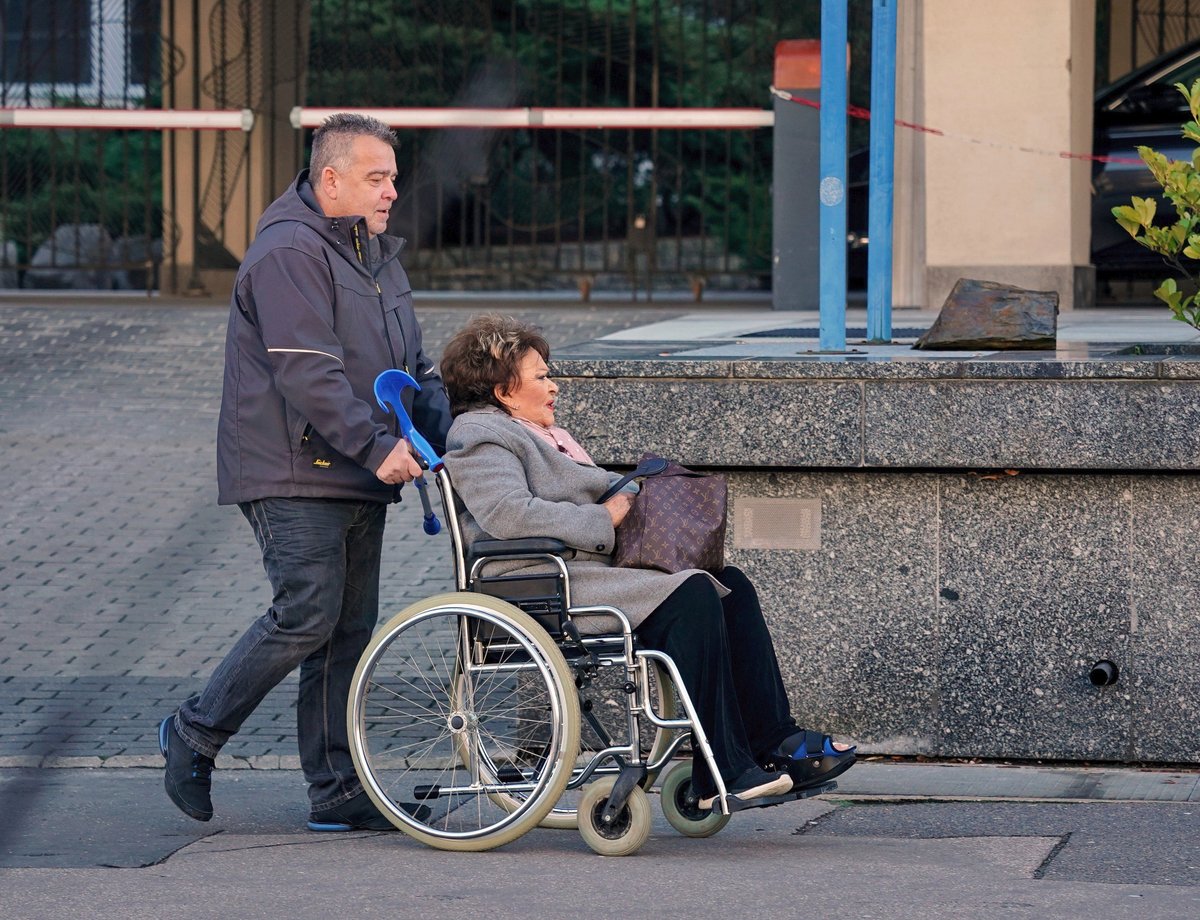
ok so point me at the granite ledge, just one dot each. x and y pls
(1017, 365)
(1149, 424)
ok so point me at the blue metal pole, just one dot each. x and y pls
(882, 171)
(833, 174)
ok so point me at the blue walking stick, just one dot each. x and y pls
(389, 386)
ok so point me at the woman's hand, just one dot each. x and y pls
(618, 506)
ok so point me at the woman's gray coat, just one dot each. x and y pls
(513, 484)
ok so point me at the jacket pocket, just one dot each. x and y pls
(299, 430)
(313, 452)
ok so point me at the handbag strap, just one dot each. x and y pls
(651, 466)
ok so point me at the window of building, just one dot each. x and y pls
(81, 52)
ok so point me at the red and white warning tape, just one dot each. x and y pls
(855, 111)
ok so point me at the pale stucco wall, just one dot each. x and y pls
(996, 78)
(999, 77)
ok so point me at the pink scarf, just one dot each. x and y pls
(560, 439)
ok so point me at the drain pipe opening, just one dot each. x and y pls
(1104, 673)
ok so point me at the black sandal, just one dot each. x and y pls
(810, 759)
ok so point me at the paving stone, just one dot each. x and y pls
(122, 583)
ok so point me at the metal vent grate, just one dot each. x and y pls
(777, 523)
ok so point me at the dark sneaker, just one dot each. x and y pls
(360, 814)
(754, 784)
(188, 776)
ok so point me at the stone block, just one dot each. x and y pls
(853, 620)
(1048, 424)
(716, 422)
(1032, 587)
(1162, 670)
(1164, 710)
(954, 614)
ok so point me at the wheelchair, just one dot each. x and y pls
(467, 709)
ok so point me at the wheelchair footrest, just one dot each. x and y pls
(736, 804)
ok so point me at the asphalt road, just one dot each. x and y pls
(107, 841)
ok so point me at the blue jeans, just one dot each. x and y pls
(322, 559)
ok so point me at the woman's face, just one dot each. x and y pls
(533, 397)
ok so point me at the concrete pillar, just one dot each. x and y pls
(215, 58)
(997, 78)
(796, 249)
(908, 220)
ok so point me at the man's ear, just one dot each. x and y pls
(330, 182)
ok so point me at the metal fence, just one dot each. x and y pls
(85, 208)
(539, 208)
(1130, 33)
(1162, 25)
(80, 208)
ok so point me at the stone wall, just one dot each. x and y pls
(953, 543)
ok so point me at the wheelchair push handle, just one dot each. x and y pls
(389, 388)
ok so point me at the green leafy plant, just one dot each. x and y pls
(1178, 243)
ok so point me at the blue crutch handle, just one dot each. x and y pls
(388, 389)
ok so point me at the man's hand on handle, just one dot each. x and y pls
(399, 466)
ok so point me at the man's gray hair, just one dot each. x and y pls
(333, 142)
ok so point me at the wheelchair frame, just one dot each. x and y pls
(465, 712)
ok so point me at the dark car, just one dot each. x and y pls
(1141, 108)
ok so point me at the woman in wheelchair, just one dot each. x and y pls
(518, 475)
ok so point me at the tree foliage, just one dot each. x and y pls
(1178, 242)
(55, 177)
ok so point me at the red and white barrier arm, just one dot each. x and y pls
(579, 119)
(133, 119)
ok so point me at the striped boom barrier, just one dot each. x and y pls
(131, 119)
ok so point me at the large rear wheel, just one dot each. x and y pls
(463, 704)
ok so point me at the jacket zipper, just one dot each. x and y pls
(355, 234)
(362, 260)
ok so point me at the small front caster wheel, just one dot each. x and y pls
(623, 836)
(683, 811)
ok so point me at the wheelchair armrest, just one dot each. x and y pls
(526, 546)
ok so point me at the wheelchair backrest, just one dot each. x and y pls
(545, 597)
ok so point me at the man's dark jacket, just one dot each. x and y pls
(312, 323)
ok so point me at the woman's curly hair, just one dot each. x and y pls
(485, 354)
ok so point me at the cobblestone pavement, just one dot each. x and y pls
(122, 583)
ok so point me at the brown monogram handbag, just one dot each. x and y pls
(677, 522)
